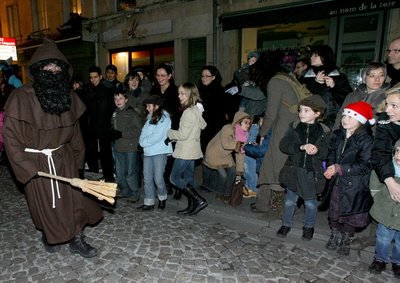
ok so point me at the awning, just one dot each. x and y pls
(298, 12)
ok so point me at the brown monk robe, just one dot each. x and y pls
(42, 117)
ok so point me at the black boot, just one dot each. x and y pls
(189, 206)
(178, 193)
(50, 248)
(199, 202)
(344, 246)
(79, 246)
(161, 204)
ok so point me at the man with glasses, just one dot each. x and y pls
(393, 61)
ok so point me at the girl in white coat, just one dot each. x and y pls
(187, 148)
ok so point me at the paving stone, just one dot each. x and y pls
(163, 247)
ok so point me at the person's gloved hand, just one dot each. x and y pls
(167, 141)
(233, 90)
(114, 134)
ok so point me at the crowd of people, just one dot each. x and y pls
(303, 136)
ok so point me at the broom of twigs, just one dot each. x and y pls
(100, 189)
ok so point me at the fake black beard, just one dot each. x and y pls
(53, 91)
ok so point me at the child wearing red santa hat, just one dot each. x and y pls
(349, 169)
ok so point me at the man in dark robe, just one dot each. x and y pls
(41, 133)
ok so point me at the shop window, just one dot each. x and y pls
(121, 61)
(359, 43)
(125, 4)
(146, 57)
(141, 59)
(77, 6)
(13, 21)
(164, 55)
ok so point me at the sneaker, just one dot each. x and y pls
(249, 193)
(308, 233)
(377, 267)
(282, 232)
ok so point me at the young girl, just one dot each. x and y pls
(219, 154)
(241, 136)
(386, 209)
(349, 167)
(187, 148)
(155, 152)
(306, 144)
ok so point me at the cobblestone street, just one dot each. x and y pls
(159, 246)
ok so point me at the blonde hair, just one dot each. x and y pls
(192, 93)
(393, 90)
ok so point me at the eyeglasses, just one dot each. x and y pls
(395, 50)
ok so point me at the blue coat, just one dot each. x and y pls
(153, 135)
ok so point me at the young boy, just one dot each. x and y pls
(385, 212)
(306, 144)
(126, 128)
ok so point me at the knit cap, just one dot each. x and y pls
(112, 68)
(154, 99)
(254, 54)
(315, 102)
(361, 111)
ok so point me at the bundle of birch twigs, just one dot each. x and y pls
(100, 189)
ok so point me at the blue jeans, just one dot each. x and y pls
(383, 246)
(153, 173)
(210, 178)
(226, 180)
(126, 168)
(182, 173)
(290, 206)
(250, 173)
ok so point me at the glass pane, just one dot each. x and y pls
(120, 60)
(358, 45)
(164, 55)
(140, 59)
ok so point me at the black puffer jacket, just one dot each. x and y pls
(354, 157)
(386, 135)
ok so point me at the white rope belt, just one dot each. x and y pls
(52, 169)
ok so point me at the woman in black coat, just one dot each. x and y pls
(324, 79)
(214, 100)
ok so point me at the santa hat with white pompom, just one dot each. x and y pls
(361, 111)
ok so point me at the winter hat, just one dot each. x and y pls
(361, 111)
(315, 102)
(112, 68)
(254, 54)
(154, 99)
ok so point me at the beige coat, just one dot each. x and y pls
(277, 119)
(187, 137)
(220, 148)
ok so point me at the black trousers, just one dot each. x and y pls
(106, 159)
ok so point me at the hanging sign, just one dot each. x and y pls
(8, 48)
